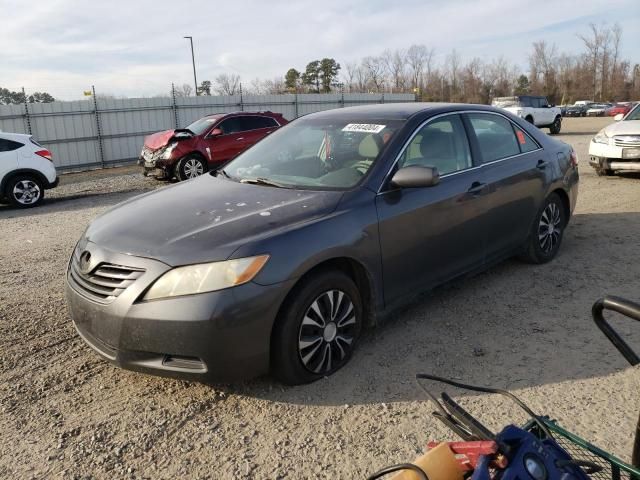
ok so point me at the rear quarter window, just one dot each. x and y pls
(9, 145)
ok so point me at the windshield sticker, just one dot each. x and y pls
(521, 138)
(363, 127)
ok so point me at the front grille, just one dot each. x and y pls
(627, 141)
(104, 282)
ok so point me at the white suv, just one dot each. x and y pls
(533, 109)
(26, 170)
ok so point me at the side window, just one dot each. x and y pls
(9, 145)
(230, 125)
(527, 144)
(255, 122)
(525, 102)
(441, 143)
(537, 102)
(495, 135)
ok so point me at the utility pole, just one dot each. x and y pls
(193, 60)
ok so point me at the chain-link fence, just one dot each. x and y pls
(98, 133)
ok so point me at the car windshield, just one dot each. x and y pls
(200, 126)
(505, 102)
(634, 114)
(315, 153)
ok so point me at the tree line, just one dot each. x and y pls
(597, 73)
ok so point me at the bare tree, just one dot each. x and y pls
(395, 65)
(419, 60)
(594, 43)
(374, 70)
(183, 91)
(227, 84)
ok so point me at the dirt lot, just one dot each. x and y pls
(68, 414)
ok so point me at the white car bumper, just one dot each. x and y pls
(612, 157)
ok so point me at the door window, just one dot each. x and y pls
(442, 144)
(527, 144)
(255, 123)
(9, 145)
(231, 125)
(496, 138)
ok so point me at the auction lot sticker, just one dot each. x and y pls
(363, 127)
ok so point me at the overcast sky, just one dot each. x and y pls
(135, 47)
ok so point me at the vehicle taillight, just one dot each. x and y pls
(573, 158)
(45, 154)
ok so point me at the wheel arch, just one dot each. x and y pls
(23, 171)
(566, 202)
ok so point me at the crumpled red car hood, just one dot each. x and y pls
(158, 140)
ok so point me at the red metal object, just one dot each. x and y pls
(468, 453)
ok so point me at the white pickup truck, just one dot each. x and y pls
(533, 109)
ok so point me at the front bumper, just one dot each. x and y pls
(213, 337)
(611, 157)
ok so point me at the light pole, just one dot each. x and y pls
(193, 60)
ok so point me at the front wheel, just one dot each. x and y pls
(317, 329)
(555, 127)
(24, 191)
(604, 172)
(191, 166)
(546, 232)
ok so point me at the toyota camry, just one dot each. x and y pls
(278, 261)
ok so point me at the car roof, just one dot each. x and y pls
(14, 136)
(227, 114)
(398, 111)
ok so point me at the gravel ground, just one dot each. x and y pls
(68, 414)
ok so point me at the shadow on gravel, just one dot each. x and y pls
(61, 204)
(514, 326)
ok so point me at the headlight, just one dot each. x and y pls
(206, 277)
(601, 138)
(166, 154)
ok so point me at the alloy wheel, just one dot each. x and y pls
(26, 192)
(193, 168)
(550, 228)
(327, 332)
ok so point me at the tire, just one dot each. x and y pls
(317, 329)
(529, 119)
(544, 241)
(555, 127)
(24, 191)
(191, 166)
(604, 172)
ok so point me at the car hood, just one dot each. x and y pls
(205, 219)
(624, 127)
(162, 139)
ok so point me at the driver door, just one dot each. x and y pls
(230, 143)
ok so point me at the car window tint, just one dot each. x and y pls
(231, 125)
(254, 123)
(527, 144)
(442, 144)
(525, 101)
(9, 145)
(495, 135)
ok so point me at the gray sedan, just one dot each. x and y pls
(277, 262)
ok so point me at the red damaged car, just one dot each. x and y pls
(205, 144)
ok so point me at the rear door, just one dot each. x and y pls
(256, 128)
(428, 235)
(516, 170)
(8, 156)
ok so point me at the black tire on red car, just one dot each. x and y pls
(317, 329)
(191, 166)
(546, 233)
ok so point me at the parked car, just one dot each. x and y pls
(280, 259)
(617, 146)
(205, 144)
(26, 170)
(584, 102)
(619, 108)
(576, 111)
(533, 109)
(597, 109)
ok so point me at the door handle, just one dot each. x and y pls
(238, 139)
(476, 188)
(542, 164)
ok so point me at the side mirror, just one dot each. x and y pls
(618, 117)
(215, 132)
(415, 177)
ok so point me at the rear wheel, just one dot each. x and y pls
(191, 166)
(529, 119)
(546, 232)
(555, 127)
(317, 329)
(24, 191)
